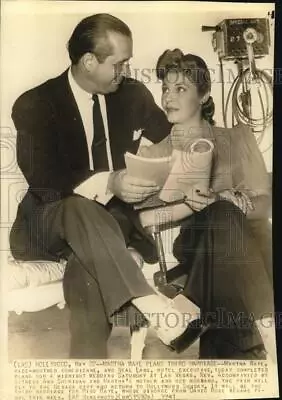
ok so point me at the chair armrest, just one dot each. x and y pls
(162, 218)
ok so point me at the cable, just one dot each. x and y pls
(222, 92)
(240, 93)
(228, 99)
(240, 113)
(263, 116)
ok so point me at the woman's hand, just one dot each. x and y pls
(200, 200)
(203, 199)
(240, 199)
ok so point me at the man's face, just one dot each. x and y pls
(108, 75)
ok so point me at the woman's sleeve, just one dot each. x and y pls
(249, 170)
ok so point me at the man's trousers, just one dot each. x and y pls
(101, 276)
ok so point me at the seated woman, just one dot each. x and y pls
(229, 277)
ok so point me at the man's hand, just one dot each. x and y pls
(129, 189)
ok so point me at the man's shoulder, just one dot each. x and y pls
(39, 93)
(132, 83)
(132, 87)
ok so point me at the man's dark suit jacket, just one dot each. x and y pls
(52, 149)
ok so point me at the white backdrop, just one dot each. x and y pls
(34, 37)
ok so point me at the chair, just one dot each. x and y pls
(171, 281)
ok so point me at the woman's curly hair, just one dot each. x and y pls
(196, 71)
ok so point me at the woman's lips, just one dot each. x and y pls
(172, 109)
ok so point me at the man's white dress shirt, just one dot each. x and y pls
(94, 187)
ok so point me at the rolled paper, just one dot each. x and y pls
(201, 146)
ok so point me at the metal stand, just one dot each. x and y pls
(167, 282)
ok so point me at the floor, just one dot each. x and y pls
(45, 335)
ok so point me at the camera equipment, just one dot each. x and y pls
(243, 41)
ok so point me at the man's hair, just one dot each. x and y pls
(91, 35)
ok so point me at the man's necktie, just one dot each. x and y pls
(99, 149)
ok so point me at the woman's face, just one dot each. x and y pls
(180, 98)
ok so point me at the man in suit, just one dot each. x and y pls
(72, 133)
